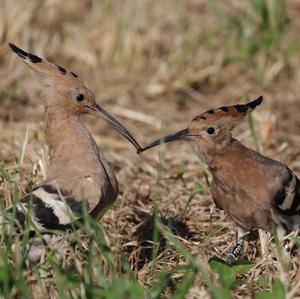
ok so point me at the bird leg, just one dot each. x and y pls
(237, 248)
(235, 251)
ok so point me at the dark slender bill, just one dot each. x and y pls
(172, 137)
(100, 112)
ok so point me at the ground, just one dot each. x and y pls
(154, 65)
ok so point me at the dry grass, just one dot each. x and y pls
(154, 64)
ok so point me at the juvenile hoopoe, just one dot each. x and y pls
(255, 191)
(78, 174)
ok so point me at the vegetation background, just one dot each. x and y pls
(154, 65)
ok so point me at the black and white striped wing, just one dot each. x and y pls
(287, 198)
(49, 208)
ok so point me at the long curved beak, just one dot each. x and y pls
(99, 112)
(180, 135)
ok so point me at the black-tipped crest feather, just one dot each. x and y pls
(24, 55)
(255, 103)
(251, 105)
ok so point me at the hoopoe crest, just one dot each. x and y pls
(78, 174)
(211, 130)
(254, 190)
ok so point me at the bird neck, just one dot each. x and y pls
(218, 157)
(210, 152)
(69, 143)
(59, 124)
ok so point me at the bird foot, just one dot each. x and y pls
(235, 251)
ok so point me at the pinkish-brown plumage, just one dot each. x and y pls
(255, 191)
(78, 176)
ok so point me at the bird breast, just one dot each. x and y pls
(76, 164)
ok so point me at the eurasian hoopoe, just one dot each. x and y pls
(78, 174)
(255, 191)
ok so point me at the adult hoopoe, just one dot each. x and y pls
(255, 191)
(78, 174)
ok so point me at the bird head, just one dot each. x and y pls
(210, 130)
(66, 93)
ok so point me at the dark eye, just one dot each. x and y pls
(211, 130)
(80, 97)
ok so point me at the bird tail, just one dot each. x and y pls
(16, 219)
(12, 220)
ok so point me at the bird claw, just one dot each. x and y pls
(231, 258)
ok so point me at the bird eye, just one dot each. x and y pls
(211, 130)
(80, 97)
